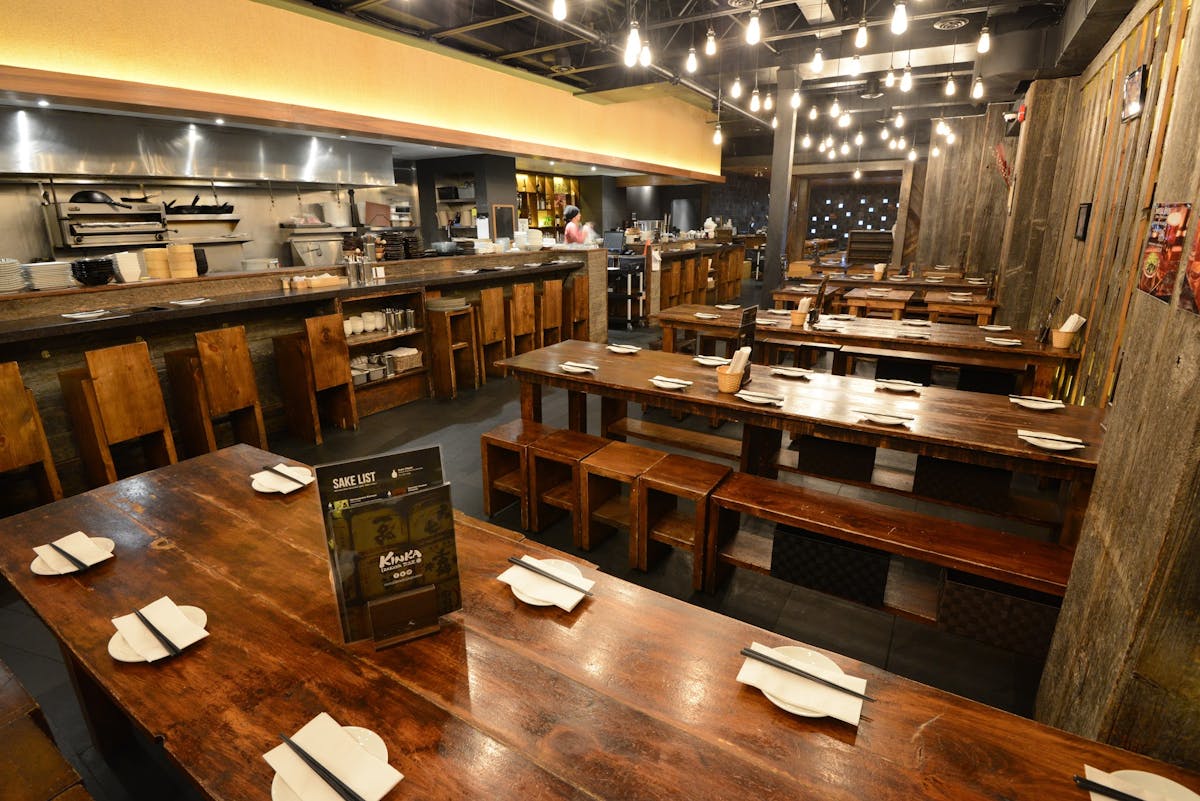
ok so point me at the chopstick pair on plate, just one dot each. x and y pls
(790, 668)
(547, 574)
(337, 785)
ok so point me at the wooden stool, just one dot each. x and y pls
(214, 379)
(521, 320)
(550, 313)
(31, 767)
(493, 341)
(22, 438)
(505, 460)
(554, 476)
(15, 702)
(577, 308)
(454, 351)
(116, 398)
(314, 376)
(602, 509)
(658, 516)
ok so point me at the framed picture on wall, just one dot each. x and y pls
(1082, 218)
(1133, 94)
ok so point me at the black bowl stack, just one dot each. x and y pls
(93, 272)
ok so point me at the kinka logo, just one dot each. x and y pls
(390, 561)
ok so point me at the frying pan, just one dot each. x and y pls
(94, 196)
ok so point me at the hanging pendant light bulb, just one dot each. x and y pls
(891, 144)
(633, 44)
(774, 122)
(844, 120)
(855, 65)
(806, 142)
(985, 40)
(912, 154)
(768, 103)
(644, 56)
(796, 99)
(858, 138)
(889, 80)
(941, 128)
(755, 101)
(901, 143)
(559, 10)
(977, 88)
(950, 137)
(935, 151)
(906, 79)
(883, 133)
(829, 141)
(717, 138)
(857, 174)
(812, 112)
(818, 62)
(845, 148)
(831, 153)
(835, 110)
(735, 91)
(821, 147)
(710, 43)
(899, 121)
(860, 36)
(692, 63)
(753, 28)
(951, 86)
(899, 18)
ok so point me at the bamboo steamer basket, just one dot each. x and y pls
(157, 265)
(181, 259)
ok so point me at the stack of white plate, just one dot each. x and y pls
(49, 275)
(446, 303)
(12, 277)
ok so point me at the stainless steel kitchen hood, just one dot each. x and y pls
(51, 142)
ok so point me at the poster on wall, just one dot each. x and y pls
(1164, 250)
(1189, 296)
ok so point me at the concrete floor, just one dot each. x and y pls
(915, 650)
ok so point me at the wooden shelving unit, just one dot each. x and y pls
(541, 198)
(398, 388)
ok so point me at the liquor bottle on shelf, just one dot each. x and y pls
(1044, 332)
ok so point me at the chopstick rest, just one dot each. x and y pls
(323, 761)
(158, 630)
(70, 554)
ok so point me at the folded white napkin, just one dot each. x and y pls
(340, 754)
(580, 366)
(281, 484)
(707, 316)
(670, 380)
(1002, 341)
(1117, 783)
(1047, 435)
(168, 619)
(804, 305)
(544, 589)
(798, 691)
(1073, 324)
(79, 545)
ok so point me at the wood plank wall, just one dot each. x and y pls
(963, 212)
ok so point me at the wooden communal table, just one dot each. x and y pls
(958, 345)
(632, 696)
(968, 427)
(863, 300)
(939, 302)
(683, 318)
(842, 281)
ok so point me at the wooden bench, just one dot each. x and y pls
(505, 464)
(31, 767)
(987, 553)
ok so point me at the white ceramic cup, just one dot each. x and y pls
(380, 320)
(356, 324)
(368, 322)
(348, 327)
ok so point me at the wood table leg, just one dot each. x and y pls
(759, 449)
(668, 336)
(933, 316)
(1042, 382)
(1078, 494)
(612, 410)
(897, 314)
(531, 401)
(110, 729)
(577, 411)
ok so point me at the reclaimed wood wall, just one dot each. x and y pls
(963, 209)
(1124, 666)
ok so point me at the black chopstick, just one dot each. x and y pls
(279, 472)
(773, 662)
(335, 784)
(1103, 789)
(534, 568)
(79, 564)
(171, 647)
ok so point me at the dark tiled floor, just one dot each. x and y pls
(911, 649)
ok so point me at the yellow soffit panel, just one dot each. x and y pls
(261, 51)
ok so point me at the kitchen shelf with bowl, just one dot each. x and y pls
(386, 330)
(375, 337)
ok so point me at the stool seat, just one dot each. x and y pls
(564, 444)
(22, 437)
(659, 519)
(314, 377)
(603, 510)
(554, 470)
(505, 464)
(455, 351)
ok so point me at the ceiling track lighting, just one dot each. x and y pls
(692, 64)
(985, 40)
(899, 18)
(710, 42)
(559, 9)
(754, 27)
(818, 62)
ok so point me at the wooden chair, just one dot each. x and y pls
(521, 320)
(22, 437)
(577, 308)
(214, 379)
(554, 477)
(550, 313)
(454, 351)
(314, 376)
(603, 509)
(504, 453)
(669, 285)
(659, 519)
(489, 321)
(687, 281)
(116, 398)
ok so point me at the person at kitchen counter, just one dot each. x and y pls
(574, 234)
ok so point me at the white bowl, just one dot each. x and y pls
(357, 325)
(348, 327)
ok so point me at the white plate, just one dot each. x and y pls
(707, 316)
(666, 384)
(1004, 343)
(1040, 405)
(371, 742)
(805, 660)
(572, 368)
(627, 350)
(40, 568)
(861, 277)
(727, 306)
(190, 301)
(566, 567)
(885, 419)
(916, 323)
(898, 385)
(791, 372)
(261, 487)
(933, 280)
(898, 278)
(977, 281)
(766, 322)
(837, 317)
(779, 311)
(467, 272)
(1169, 790)
(121, 651)
(1052, 444)
(995, 327)
(86, 315)
(757, 399)
(502, 269)
(710, 361)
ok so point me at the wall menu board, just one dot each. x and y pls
(389, 528)
(1164, 250)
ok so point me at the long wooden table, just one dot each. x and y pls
(632, 696)
(957, 345)
(968, 427)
